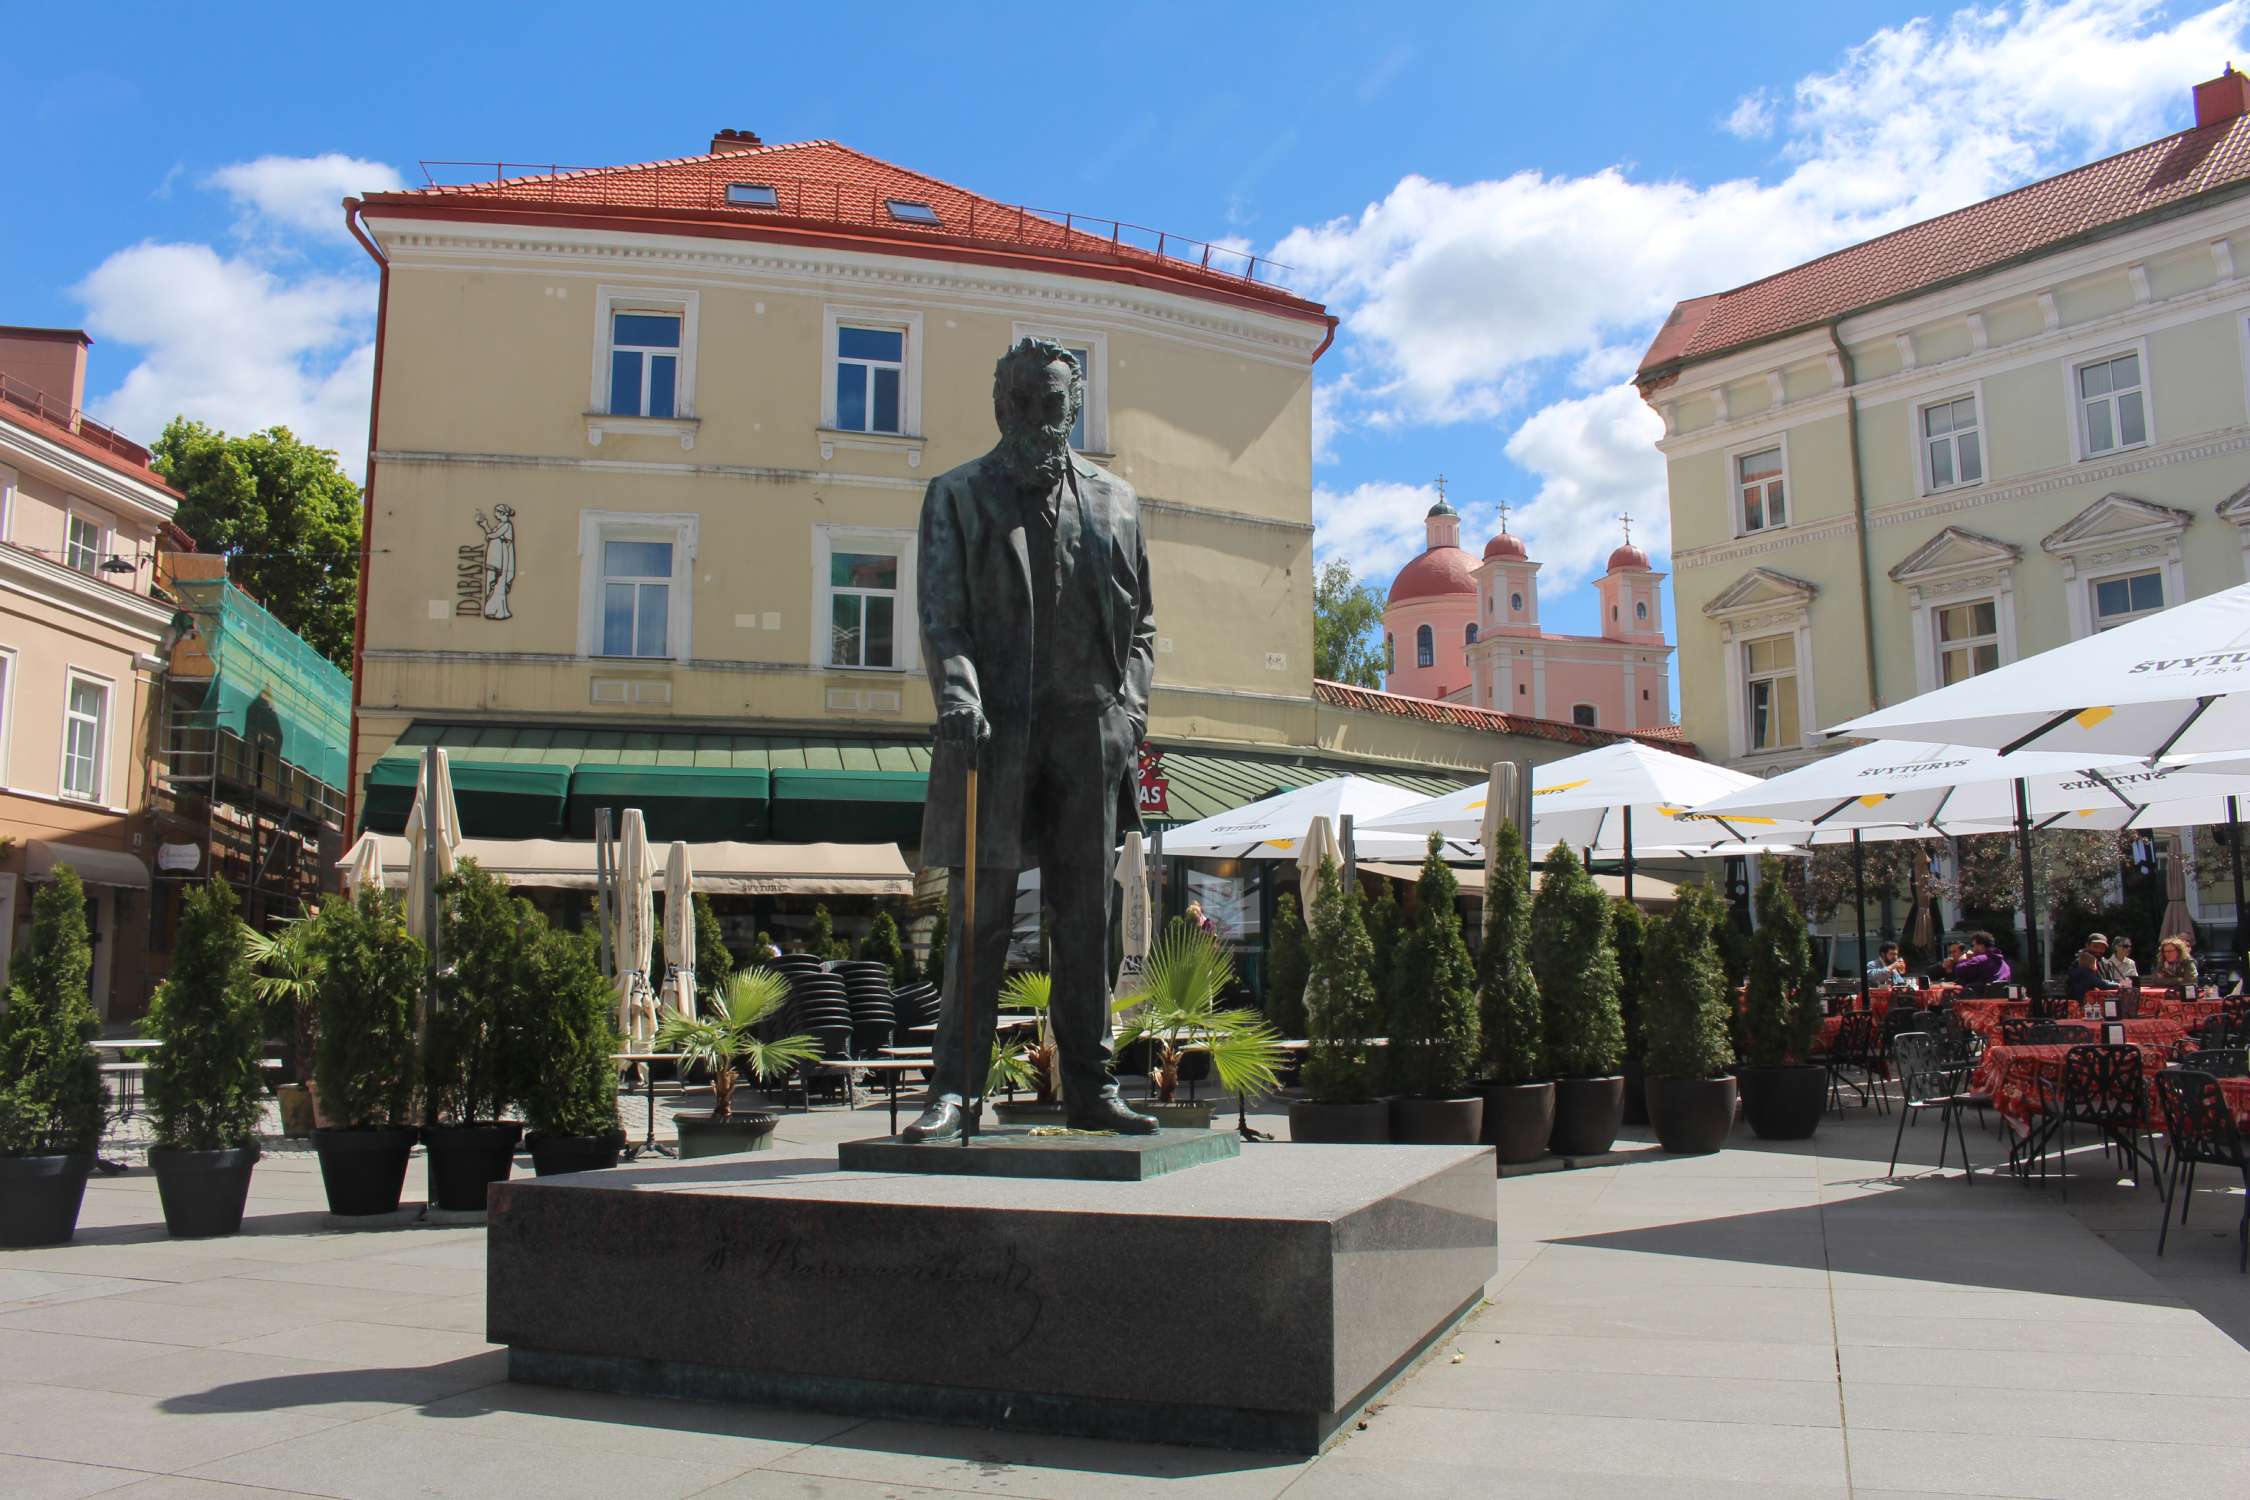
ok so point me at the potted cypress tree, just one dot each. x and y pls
(723, 1039)
(1287, 963)
(1341, 1014)
(1628, 934)
(1433, 1019)
(883, 945)
(1782, 1093)
(203, 1085)
(1385, 928)
(1690, 1092)
(476, 1059)
(371, 968)
(714, 960)
(570, 1085)
(51, 1104)
(1519, 1101)
(1577, 972)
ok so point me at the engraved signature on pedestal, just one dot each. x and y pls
(1002, 1272)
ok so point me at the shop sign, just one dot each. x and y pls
(1155, 788)
(179, 856)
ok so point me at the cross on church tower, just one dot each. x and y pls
(1504, 508)
(1441, 489)
(1627, 520)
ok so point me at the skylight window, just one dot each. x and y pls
(751, 195)
(907, 211)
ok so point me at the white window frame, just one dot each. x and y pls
(2092, 583)
(2078, 362)
(1734, 457)
(72, 517)
(836, 316)
(1998, 640)
(100, 798)
(598, 526)
(906, 647)
(1096, 346)
(1797, 673)
(680, 302)
(8, 481)
(7, 708)
(1973, 393)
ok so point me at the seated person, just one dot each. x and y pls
(2085, 976)
(1984, 966)
(1886, 971)
(1942, 973)
(2122, 971)
(2175, 967)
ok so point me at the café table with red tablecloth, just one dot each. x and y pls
(2021, 1078)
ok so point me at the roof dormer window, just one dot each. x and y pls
(752, 195)
(907, 211)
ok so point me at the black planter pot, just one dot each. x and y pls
(1178, 1114)
(744, 1130)
(553, 1155)
(39, 1198)
(202, 1191)
(1588, 1112)
(1437, 1122)
(363, 1171)
(1784, 1104)
(1636, 1092)
(1518, 1119)
(467, 1159)
(1366, 1124)
(1692, 1116)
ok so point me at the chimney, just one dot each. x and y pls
(51, 361)
(727, 142)
(2226, 97)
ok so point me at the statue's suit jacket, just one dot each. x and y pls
(974, 578)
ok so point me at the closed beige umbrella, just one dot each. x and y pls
(433, 807)
(636, 924)
(1498, 811)
(1132, 880)
(362, 869)
(679, 927)
(2176, 923)
(1320, 844)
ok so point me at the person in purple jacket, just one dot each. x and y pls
(1985, 964)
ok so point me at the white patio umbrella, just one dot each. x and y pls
(636, 923)
(2173, 683)
(1132, 881)
(1318, 844)
(679, 926)
(429, 859)
(1273, 827)
(361, 868)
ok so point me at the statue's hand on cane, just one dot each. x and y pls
(964, 725)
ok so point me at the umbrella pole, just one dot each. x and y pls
(430, 917)
(2234, 847)
(969, 1089)
(1628, 853)
(603, 876)
(2030, 898)
(1859, 909)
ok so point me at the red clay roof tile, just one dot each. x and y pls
(1491, 721)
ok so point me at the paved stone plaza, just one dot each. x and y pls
(1762, 1322)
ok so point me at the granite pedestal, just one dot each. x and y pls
(1025, 1153)
(1254, 1303)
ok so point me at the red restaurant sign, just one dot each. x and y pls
(1155, 788)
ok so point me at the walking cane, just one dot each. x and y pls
(968, 941)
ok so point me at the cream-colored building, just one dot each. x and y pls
(81, 645)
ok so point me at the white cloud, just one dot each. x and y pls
(1595, 457)
(302, 194)
(1752, 119)
(232, 343)
(1375, 527)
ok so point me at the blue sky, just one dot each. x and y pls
(1501, 200)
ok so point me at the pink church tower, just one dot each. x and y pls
(1431, 619)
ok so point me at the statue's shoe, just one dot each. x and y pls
(1109, 1112)
(940, 1122)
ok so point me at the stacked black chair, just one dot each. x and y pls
(2203, 1132)
(867, 986)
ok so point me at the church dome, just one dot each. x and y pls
(1629, 556)
(1505, 545)
(1437, 572)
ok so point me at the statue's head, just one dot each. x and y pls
(1037, 392)
(503, 511)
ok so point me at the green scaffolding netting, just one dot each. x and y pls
(267, 683)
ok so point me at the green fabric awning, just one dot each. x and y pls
(697, 803)
(848, 806)
(496, 799)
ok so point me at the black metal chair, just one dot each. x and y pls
(1856, 1046)
(1928, 1079)
(2229, 1062)
(2103, 1087)
(2203, 1131)
(2018, 1031)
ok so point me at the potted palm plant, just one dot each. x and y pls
(285, 977)
(1176, 1009)
(1577, 972)
(476, 1058)
(203, 1086)
(1519, 1099)
(371, 968)
(721, 1041)
(1033, 1064)
(1341, 1015)
(1782, 1093)
(50, 1085)
(570, 1087)
(1433, 1025)
(1685, 1015)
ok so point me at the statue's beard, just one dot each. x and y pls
(1035, 455)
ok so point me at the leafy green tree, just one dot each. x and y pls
(821, 940)
(203, 1086)
(1782, 1010)
(284, 514)
(1385, 928)
(1689, 1008)
(1577, 970)
(570, 1086)
(1515, 1041)
(714, 961)
(1347, 619)
(1433, 1025)
(883, 945)
(1628, 934)
(1286, 968)
(1341, 1009)
(50, 1082)
(476, 1057)
(371, 969)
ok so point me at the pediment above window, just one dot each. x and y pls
(2236, 507)
(2114, 521)
(1953, 551)
(1762, 589)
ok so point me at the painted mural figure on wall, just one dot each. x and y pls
(499, 565)
(1040, 635)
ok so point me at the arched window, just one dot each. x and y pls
(1425, 647)
(1390, 652)
(1582, 714)
(1469, 636)
(1640, 610)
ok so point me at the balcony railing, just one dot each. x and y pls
(38, 403)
